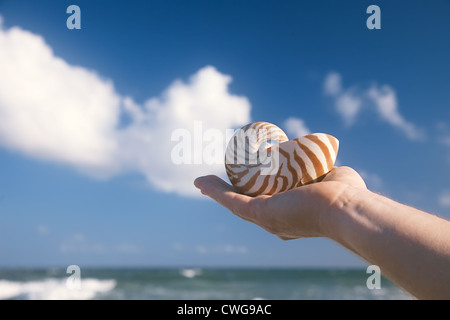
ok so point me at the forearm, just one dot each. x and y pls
(411, 247)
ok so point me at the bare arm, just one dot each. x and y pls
(411, 247)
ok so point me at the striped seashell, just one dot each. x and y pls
(260, 159)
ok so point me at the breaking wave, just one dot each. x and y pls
(55, 289)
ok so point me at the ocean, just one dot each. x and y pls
(193, 284)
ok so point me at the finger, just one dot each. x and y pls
(211, 184)
(217, 189)
(287, 238)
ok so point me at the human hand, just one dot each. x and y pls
(403, 241)
(297, 213)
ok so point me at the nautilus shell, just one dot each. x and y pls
(260, 159)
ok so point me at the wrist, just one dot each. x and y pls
(337, 216)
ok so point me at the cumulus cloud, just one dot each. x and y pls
(52, 110)
(192, 109)
(296, 127)
(58, 112)
(382, 99)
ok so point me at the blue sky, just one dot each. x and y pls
(86, 117)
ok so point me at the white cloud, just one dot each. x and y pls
(147, 146)
(58, 112)
(385, 101)
(349, 103)
(348, 106)
(444, 199)
(52, 110)
(296, 127)
(333, 84)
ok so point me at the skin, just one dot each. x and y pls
(411, 247)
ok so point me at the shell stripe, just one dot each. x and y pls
(318, 168)
(324, 148)
(305, 174)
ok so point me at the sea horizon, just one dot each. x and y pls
(193, 283)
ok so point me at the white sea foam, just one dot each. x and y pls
(54, 289)
(191, 273)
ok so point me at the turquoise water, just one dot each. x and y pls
(193, 283)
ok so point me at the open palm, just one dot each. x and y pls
(291, 214)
